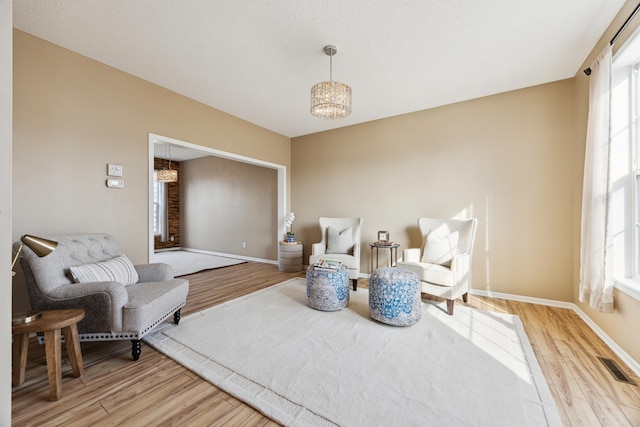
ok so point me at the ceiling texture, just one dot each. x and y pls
(257, 60)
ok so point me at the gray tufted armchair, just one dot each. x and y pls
(114, 310)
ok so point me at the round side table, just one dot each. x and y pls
(393, 248)
(51, 323)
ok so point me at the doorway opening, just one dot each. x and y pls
(182, 150)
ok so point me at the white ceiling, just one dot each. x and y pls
(257, 60)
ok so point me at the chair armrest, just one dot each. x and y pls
(411, 255)
(102, 301)
(460, 265)
(115, 290)
(157, 272)
(318, 249)
(356, 250)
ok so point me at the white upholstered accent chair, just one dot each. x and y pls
(340, 242)
(444, 261)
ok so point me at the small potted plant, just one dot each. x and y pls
(288, 222)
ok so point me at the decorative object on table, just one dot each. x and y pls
(41, 247)
(328, 265)
(444, 262)
(330, 100)
(340, 241)
(394, 296)
(113, 310)
(327, 290)
(288, 222)
(383, 236)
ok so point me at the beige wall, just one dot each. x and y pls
(226, 203)
(505, 159)
(73, 115)
(622, 325)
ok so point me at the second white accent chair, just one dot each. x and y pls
(444, 261)
(340, 241)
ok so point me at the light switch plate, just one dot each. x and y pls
(114, 170)
(115, 183)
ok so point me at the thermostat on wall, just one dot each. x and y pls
(115, 183)
(114, 170)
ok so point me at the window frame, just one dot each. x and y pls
(160, 209)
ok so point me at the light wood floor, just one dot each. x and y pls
(156, 391)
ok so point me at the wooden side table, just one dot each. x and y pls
(290, 256)
(51, 323)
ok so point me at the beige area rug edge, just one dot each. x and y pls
(539, 402)
(186, 262)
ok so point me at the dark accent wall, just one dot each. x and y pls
(173, 195)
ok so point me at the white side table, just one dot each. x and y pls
(290, 256)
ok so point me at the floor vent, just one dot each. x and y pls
(613, 368)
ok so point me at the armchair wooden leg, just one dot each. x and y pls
(176, 317)
(136, 349)
(450, 307)
(465, 297)
(355, 284)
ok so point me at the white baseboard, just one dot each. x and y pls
(631, 363)
(521, 298)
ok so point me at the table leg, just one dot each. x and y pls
(73, 349)
(20, 349)
(54, 362)
(371, 262)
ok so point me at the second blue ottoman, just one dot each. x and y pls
(394, 296)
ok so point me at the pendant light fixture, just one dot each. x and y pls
(330, 100)
(167, 175)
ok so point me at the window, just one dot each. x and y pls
(160, 209)
(625, 167)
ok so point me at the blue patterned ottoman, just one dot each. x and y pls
(328, 290)
(394, 296)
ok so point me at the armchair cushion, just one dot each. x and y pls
(440, 249)
(339, 242)
(432, 273)
(118, 269)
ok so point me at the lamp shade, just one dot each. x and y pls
(167, 175)
(39, 245)
(330, 100)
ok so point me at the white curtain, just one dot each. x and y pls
(596, 279)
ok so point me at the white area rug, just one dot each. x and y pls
(304, 367)
(185, 262)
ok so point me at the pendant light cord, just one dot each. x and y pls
(331, 66)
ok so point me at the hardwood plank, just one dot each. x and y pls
(632, 414)
(155, 390)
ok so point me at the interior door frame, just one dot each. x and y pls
(281, 176)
